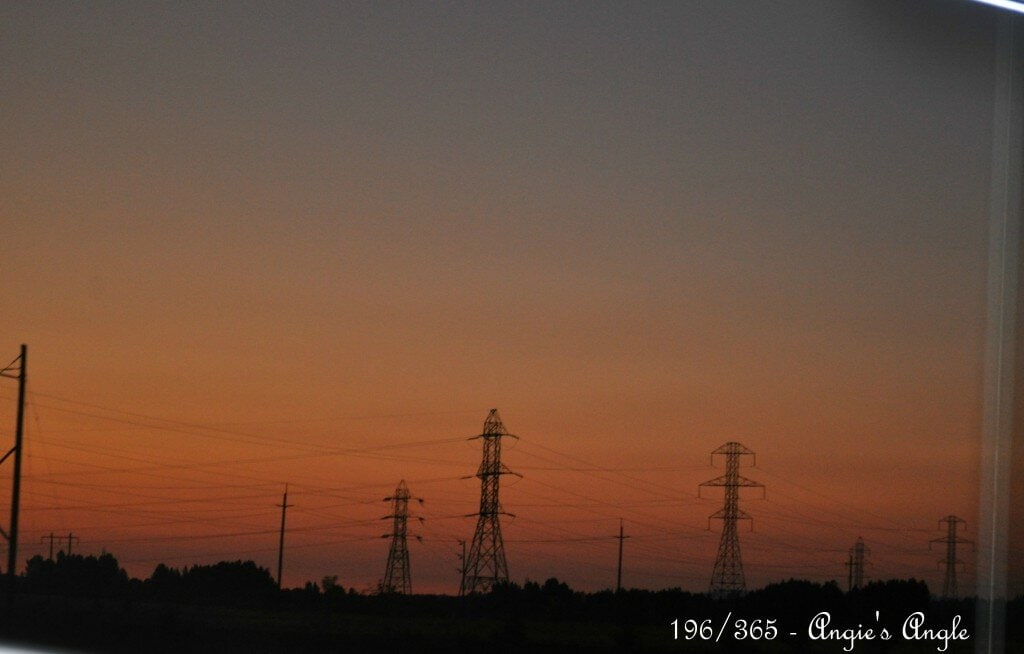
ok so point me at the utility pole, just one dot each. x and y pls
(462, 566)
(618, 578)
(51, 538)
(19, 366)
(71, 538)
(855, 575)
(949, 586)
(280, 547)
(727, 578)
(396, 575)
(849, 573)
(486, 565)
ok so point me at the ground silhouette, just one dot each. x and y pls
(89, 603)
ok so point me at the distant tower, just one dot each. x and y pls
(727, 578)
(949, 586)
(856, 565)
(486, 565)
(396, 577)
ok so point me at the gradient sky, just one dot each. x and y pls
(256, 245)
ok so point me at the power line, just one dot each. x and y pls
(254, 439)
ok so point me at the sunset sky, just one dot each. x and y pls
(257, 244)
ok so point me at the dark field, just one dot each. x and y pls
(235, 607)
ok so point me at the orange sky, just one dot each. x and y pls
(316, 245)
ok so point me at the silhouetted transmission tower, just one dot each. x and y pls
(396, 577)
(949, 586)
(856, 565)
(727, 578)
(486, 565)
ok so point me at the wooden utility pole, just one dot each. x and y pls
(51, 538)
(462, 566)
(618, 579)
(849, 573)
(72, 537)
(12, 535)
(280, 548)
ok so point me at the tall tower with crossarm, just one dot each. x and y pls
(949, 586)
(727, 579)
(858, 553)
(485, 565)
(396, 576)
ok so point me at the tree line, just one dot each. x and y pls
(98, 590)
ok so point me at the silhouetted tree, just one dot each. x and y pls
(894, 599)
(164, 583)
(77, 575)
(235, 583)
(795, 600)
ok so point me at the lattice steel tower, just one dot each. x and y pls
(727, 578)
(486, 565)
(396, 577)
(855, 578)
(949, 586)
